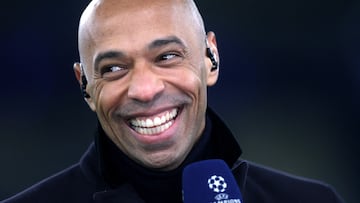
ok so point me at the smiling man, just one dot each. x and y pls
(147, 77)
(145, 69)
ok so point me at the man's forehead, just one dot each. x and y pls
(102, 17)
(126, 19)
(101, 11)
(104, 6)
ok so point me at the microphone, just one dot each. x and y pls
(210, 181)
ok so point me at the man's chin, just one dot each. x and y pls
(162, 162)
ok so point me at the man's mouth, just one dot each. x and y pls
(154, 124)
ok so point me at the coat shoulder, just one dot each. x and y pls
(57, 188)
(279, 186)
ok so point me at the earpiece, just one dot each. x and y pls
(83, 83)
(210, 54)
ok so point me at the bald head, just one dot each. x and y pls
(145, 59)
(100, 17)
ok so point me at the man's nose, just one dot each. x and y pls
(145, 84)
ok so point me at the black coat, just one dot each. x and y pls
(84, 182)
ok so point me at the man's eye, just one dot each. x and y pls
(111, 69)
(114, 71)
(168, 56)
(115, 68)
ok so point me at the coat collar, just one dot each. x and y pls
(222, 143)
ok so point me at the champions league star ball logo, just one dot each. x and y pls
(217, 184)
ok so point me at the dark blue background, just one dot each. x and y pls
(289, 87)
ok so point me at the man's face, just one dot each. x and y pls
(148, 76)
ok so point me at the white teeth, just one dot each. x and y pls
(154, 125)
(155, 130)
(149, 123)
(157, 121)
(163, 119)
(167, 116)
(134, 122)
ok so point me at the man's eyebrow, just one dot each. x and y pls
(165, 41)
(107, 55)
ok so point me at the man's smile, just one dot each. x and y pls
(155, 124)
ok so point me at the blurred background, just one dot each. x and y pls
(289, 87)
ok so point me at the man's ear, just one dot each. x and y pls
(81, 78)
(212, 59)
